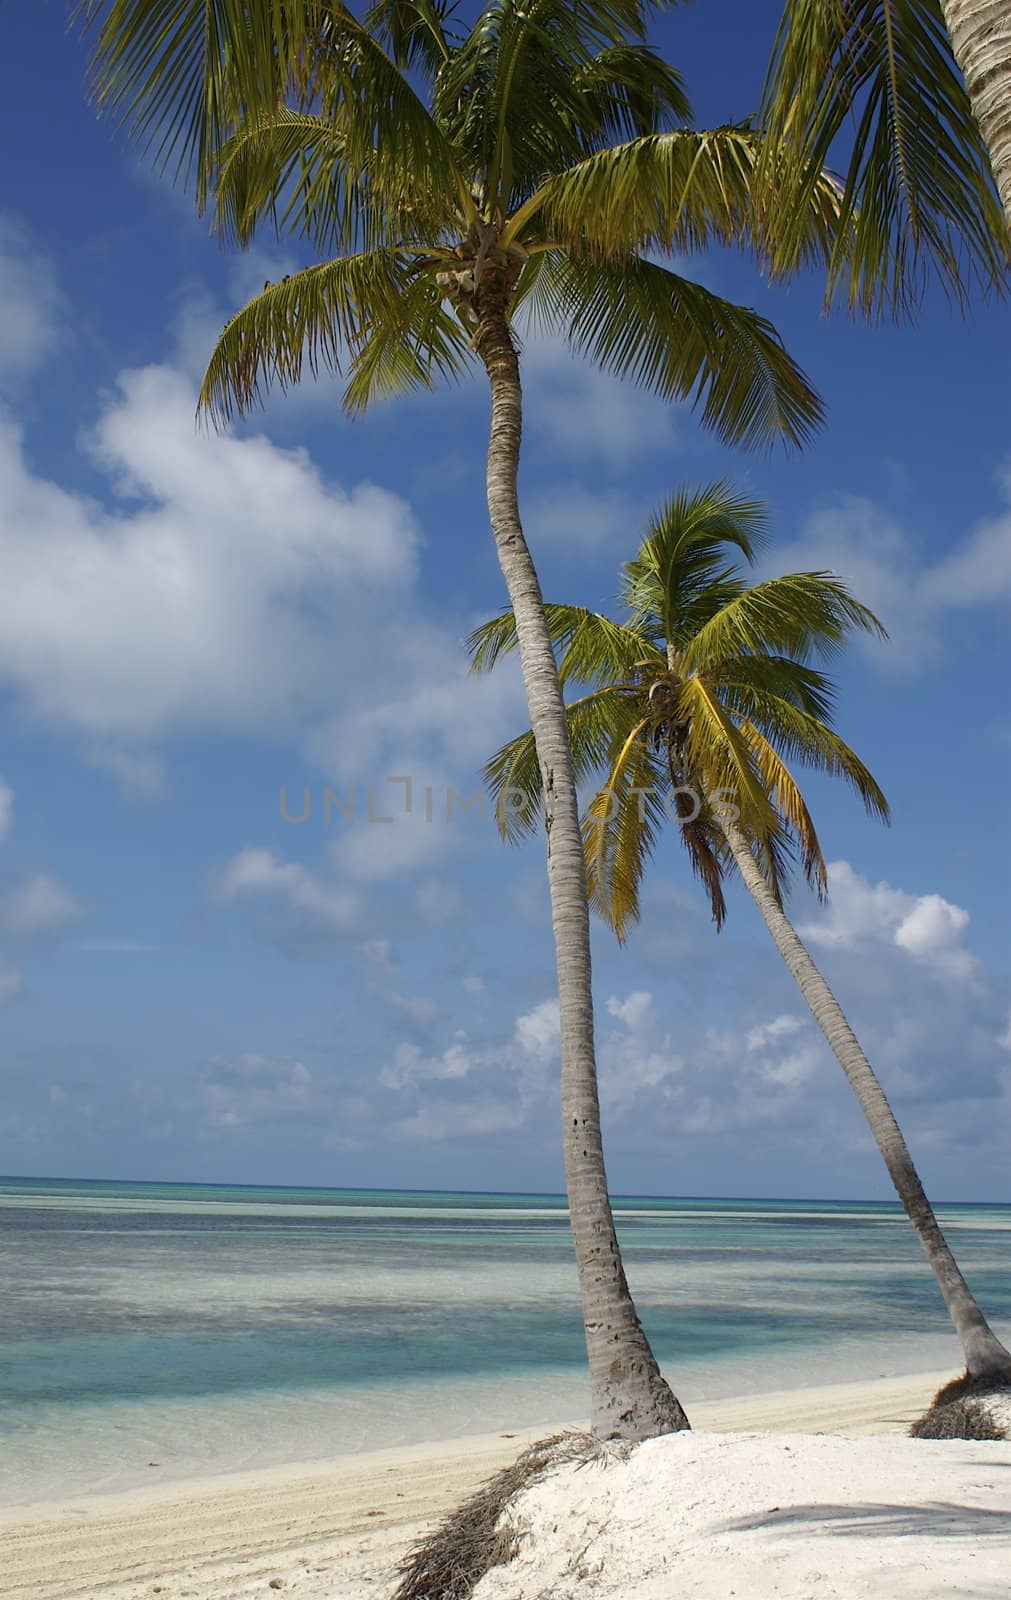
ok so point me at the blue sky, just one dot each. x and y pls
(193, 987)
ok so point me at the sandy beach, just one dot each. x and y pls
(336, 1530)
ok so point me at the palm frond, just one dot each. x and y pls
(294, 168)
(369, 315)
(742, 682)
(678, 191)
(589, 645)
(620, 829)
(681, 342)
(182, 77)
(917, 196)
(789, 804)
(513, 775)
(801, 614)
(417, 33)
(680, 574)
(803, 736)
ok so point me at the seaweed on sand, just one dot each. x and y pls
(449, 1562)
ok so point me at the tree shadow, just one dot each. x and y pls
(873, 1518)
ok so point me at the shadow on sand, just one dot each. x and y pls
(934, 1516)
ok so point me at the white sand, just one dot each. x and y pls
(698, 1516)
(336, 1531)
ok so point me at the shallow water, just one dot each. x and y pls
(154, 1330)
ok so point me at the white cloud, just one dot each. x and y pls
(885, 570)
(927, 927)
(580, 411)
(537, 1032)
(255, 1089)
(260, 874)
(210, 599)
(421, 1008)
(139, 773)
(39, 905)
(31, 305)
(633, 1010)
(6, 808)
(412, 1067)
(11, 983)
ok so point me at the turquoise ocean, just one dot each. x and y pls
(153, 1331)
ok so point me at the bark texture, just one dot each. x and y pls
(980, 33)
(630, 1398)
(985, 1356)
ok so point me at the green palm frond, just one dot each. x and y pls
(626, 91)
(680, 574)
(918, 193)
(678, 191)
(589, 645)
(295, 168)
(701, 701)
(173, 73)
(417, 33)
(681, 342)
(537, 53)
(801, 614)
(183, 76)
(369, 315)
(742, 682)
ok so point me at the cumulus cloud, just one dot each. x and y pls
(885, 569)
(258, 874)
(31, 303)
(255, 1089)
(40, 905)
(209, 598)
(927, 927)
(579, 411)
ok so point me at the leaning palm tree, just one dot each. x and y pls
(537, 162)
(915, 96)
(695, 704)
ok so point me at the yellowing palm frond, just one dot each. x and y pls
(513, 775)
(620, 828)
(675, 191)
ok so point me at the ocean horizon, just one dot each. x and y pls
(156, 1330)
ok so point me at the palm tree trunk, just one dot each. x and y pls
(630, 1399)
(980, 33)
(985, 1356)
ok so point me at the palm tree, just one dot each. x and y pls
(696, 702)
(918, 188)
(451, 177)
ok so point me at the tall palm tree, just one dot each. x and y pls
(918, 188)
(538, 160)
(696, 702)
